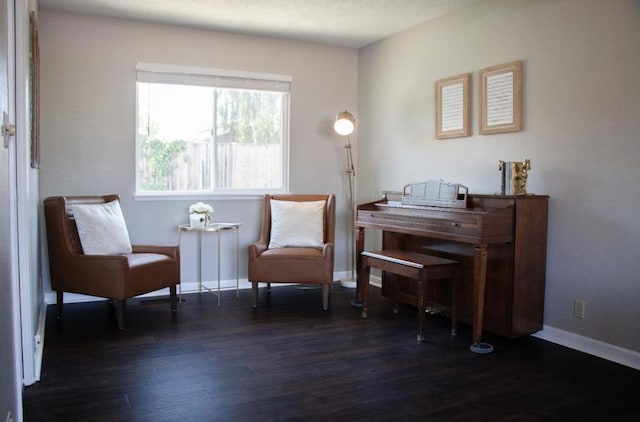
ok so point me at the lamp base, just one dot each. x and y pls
(481, 348)
(348, 283)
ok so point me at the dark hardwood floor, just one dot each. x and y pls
(291, 361)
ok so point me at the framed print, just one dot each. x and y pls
(501, 98)
(453, 107)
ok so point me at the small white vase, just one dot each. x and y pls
(198, 220)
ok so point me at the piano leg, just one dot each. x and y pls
(479, 285)
(396, 295)
(421, 303)
(363, 282)
(357, 302)
(457, 279)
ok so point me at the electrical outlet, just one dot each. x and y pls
(578, 309)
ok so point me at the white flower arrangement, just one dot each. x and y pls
(200, 208)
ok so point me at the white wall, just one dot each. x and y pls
(88, 123)
(581, 132)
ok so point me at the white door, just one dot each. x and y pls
(10, 344)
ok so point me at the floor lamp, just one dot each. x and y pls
(344, 125)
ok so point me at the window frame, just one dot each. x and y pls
(163, 73)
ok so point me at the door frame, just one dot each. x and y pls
(31, 298)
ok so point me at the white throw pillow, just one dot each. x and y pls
(297, 224)
(102, 228)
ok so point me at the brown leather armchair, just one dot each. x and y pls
(116, 277)
(294, 264)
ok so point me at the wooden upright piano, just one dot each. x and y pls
(501, 241)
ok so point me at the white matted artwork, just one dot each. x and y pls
(501, 98)
(453, 106)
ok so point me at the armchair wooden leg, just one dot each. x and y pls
(254, 294)
(59, 296)
(173, 298)
(325, 297)
(120, 305)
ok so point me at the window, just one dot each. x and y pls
(210, 131)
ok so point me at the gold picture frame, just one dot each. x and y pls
(453, 106)
(501, 98)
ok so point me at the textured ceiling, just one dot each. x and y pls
(347, 23)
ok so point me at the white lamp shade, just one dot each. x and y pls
(344, 124)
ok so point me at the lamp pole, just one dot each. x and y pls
(344, 125)
(351, 174)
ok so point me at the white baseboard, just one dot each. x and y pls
(188, 287)
(39, 341)
(375, 281)
(185, 287)
(590, 346)
(568, 339)
(574, 341)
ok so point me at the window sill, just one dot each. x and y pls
(196, 196)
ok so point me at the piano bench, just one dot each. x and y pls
(420, 267)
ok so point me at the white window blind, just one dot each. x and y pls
(212, 77)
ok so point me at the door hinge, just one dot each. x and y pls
(8, 130)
